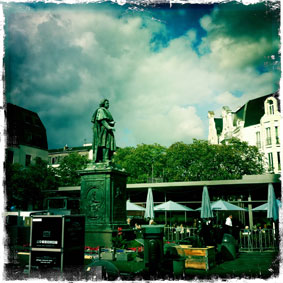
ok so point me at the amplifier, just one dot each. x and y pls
(57, 242)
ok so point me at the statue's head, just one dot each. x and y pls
(104, 102)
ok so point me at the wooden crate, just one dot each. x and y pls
(182, 250)
(200, 258)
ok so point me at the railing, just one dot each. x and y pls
(173, 234)
(249, 240)
(257, 240)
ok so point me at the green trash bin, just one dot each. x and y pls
(228, 247)
(153, 247)
(178, 266)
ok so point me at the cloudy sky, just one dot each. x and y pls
(162, 68)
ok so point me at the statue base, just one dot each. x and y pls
(103, 202)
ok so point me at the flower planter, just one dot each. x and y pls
(107, 255)
(124, 256)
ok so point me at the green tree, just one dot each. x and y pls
(190, 162)
(203, 161)
(143, 162)
(178, 161)
(14, 185)
(68, 167)
(26, 186)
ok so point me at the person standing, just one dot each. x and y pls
(104, 144)
(228, 224)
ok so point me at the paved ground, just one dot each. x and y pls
(247, 265)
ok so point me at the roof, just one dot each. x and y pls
(247, 180)
(70, 149)
(253, 110)
(24, 127)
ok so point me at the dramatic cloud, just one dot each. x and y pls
(161, 78)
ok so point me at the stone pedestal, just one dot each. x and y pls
(103, 202)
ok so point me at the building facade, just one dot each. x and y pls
(56, 155)
(26, 136)
(257, 122)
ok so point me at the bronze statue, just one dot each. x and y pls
(103, 133)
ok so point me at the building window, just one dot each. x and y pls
(10, 156)
(28, 137)
(268, 136)
(277, 135)
(55, 160)
(279, 161)
(270, 161)
(270, 107)
(28, 159)
(258, 143)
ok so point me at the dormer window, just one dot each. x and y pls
(270, 107)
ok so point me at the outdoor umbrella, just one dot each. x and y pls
(149, 211)
(206, 211)
(272, 205)
(224, 205)
(172, 206)
(133, 207)
(264, 206)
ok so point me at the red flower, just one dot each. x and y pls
(120, 230)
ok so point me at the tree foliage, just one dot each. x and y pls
(191, 162)
(68, 167)
(203, 161)
(143, 162)
(180, 162)
(26, 185)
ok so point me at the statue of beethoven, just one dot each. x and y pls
(103, 133)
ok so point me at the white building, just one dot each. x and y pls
(256, 122)
(56, 155)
